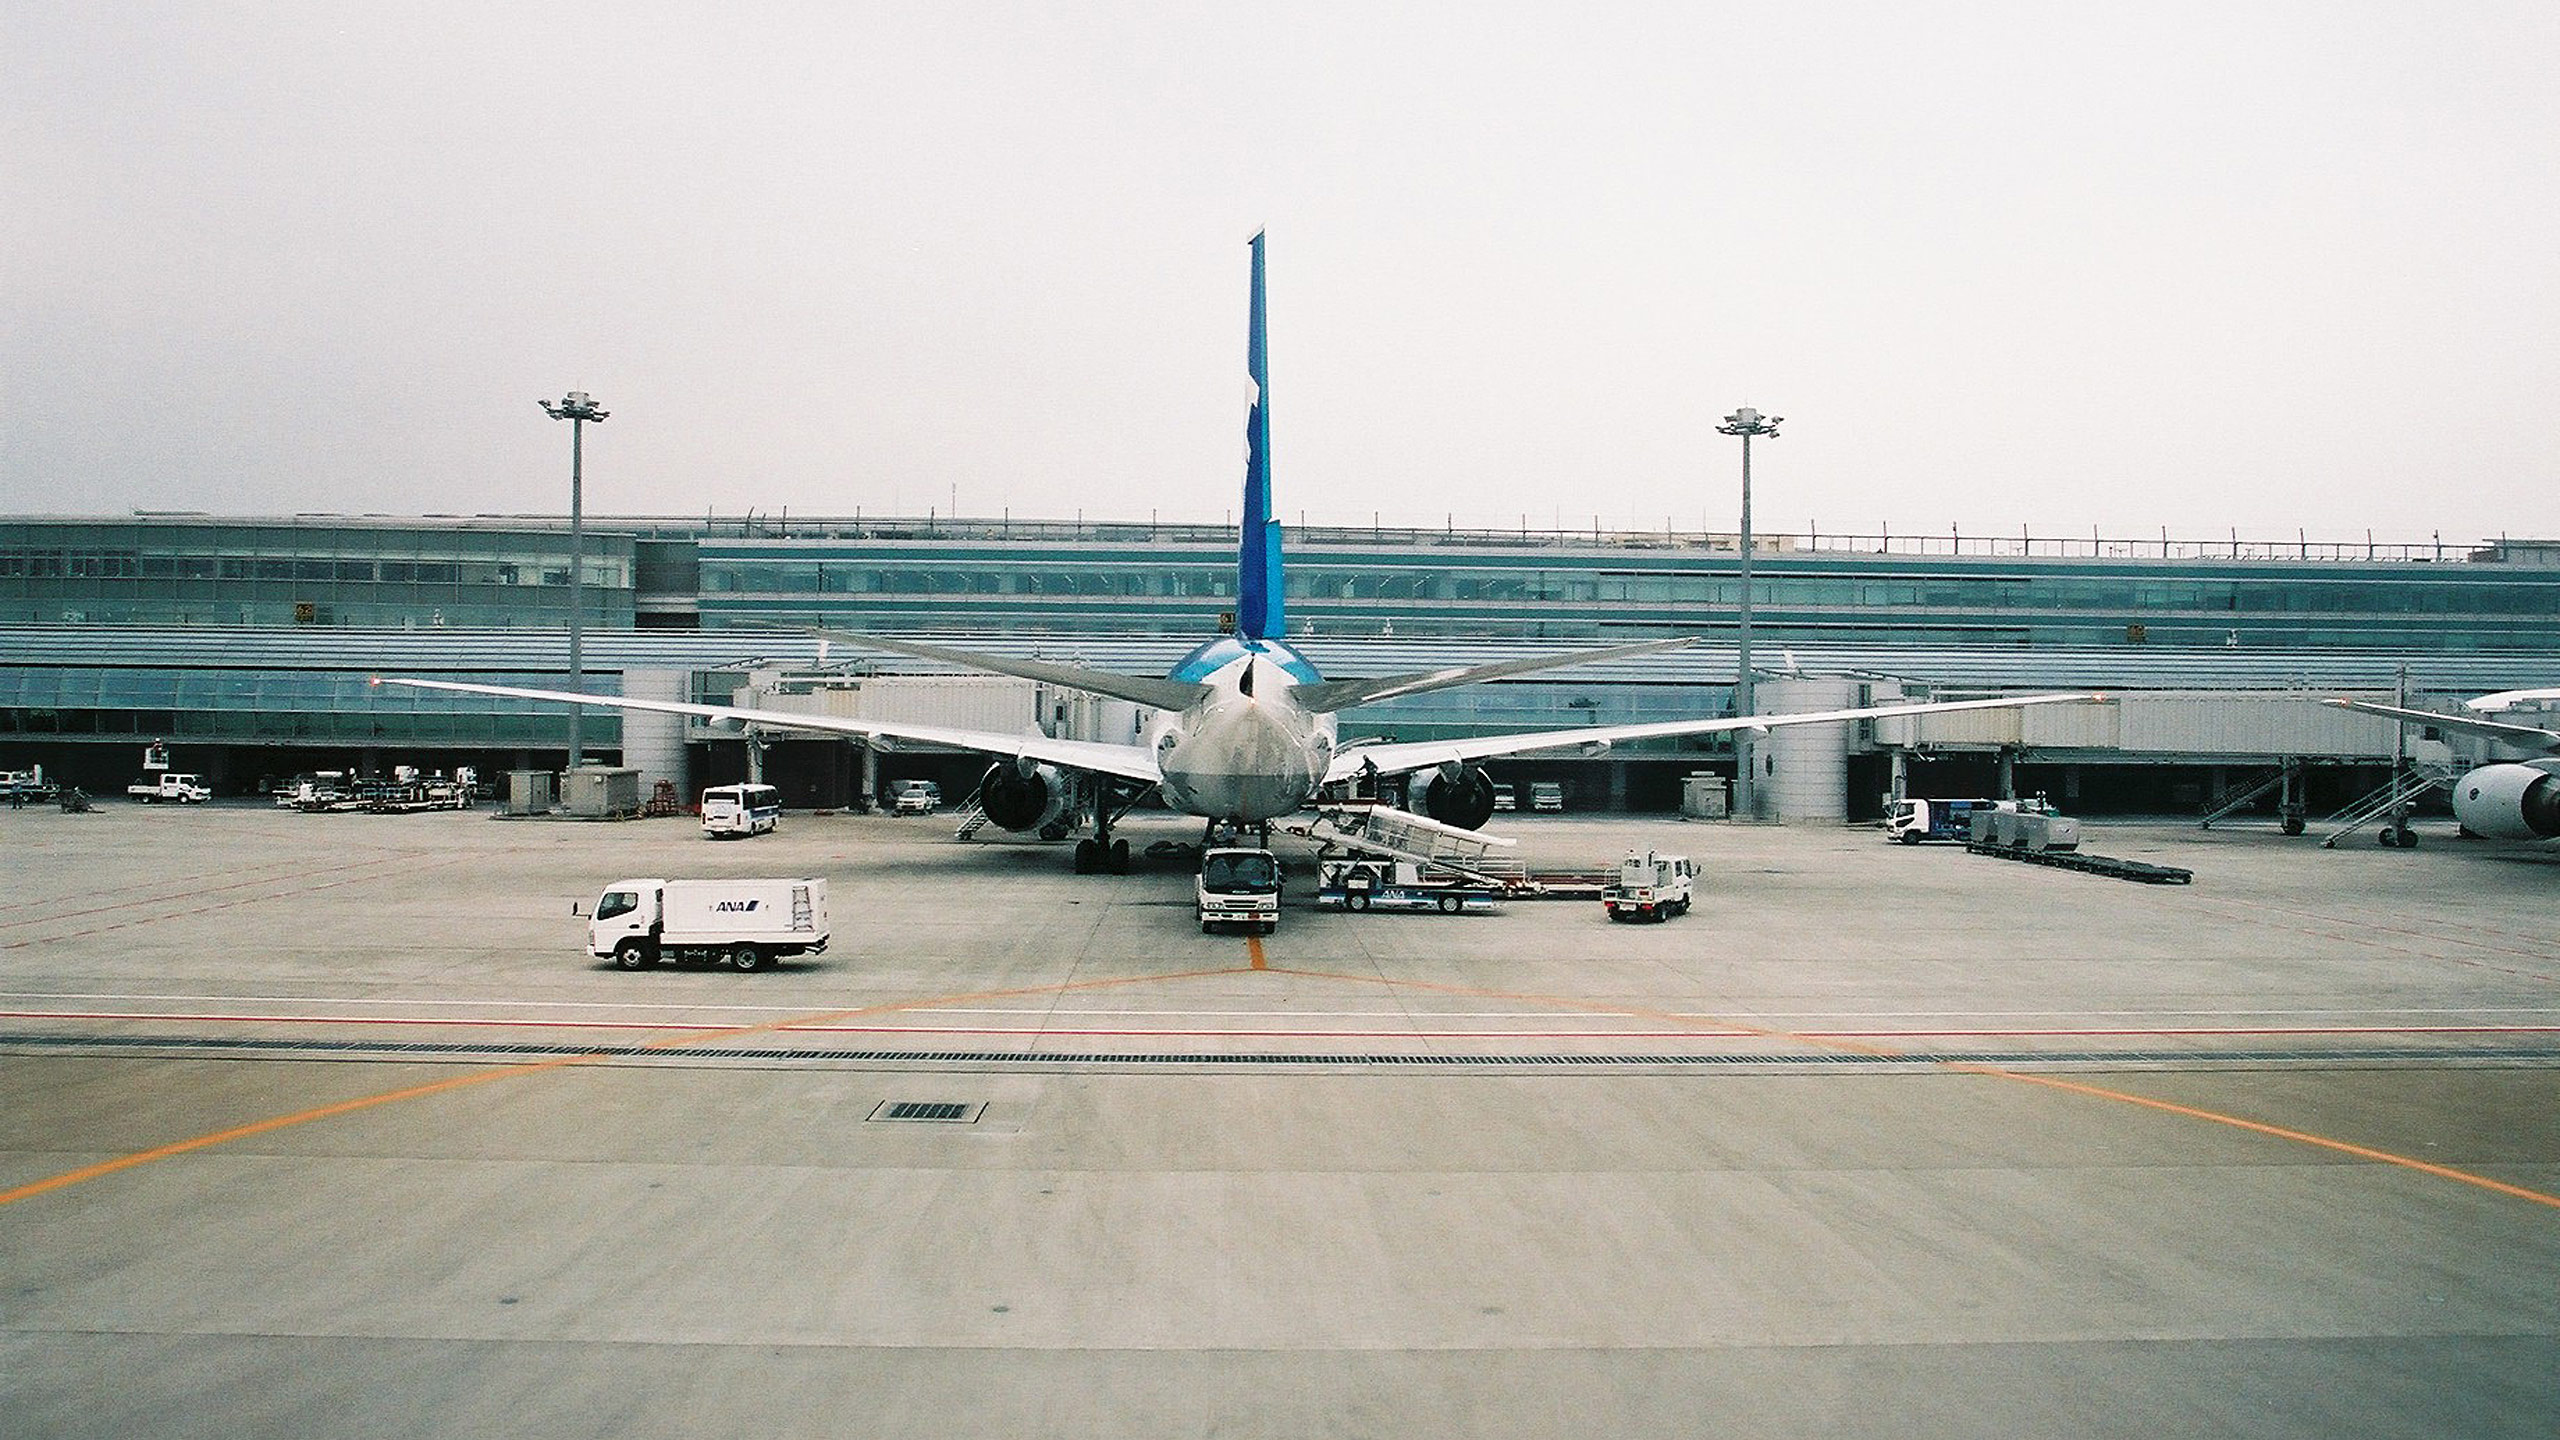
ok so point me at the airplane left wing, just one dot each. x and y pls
(2530, 736)
(1128, 762)
(1395, 758)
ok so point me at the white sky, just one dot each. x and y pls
(2205, 266)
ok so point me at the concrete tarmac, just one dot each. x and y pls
(324, 1125)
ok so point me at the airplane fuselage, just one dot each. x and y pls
(1246, 751)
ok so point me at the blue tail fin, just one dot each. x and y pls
(1259, 611)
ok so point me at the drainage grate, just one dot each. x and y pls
(948, 1111)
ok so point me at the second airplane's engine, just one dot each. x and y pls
(1459, 794)
(2510, 802)
(1035, 799)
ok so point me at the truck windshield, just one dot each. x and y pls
(1234, 874)
(617, 902)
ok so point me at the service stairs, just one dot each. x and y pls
(2403, 790)
(1370, 828)
(973, 818)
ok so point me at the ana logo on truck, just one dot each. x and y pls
(734, 906)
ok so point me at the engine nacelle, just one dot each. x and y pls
(1460, 795)
(1040, 800)
(2510, 802)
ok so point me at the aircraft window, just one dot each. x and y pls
(617, 902)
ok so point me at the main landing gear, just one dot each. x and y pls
(1103, 855)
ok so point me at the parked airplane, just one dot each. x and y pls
(2503, 800)
(1244, 726)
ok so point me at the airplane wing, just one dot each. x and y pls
(1326, 696)
(1394, 758)
(2508, 699)
(1138, 689)
(1129, 762)
(2531, 736)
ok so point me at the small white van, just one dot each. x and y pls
(740, 810)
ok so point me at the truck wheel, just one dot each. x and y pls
(1356, 900)
(746, 958)
(1909, 837)
(1207, 927)
(1451, 904)
(631, 955)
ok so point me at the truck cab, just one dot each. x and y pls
(1239, 885)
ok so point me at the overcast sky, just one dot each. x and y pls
(2041, 266)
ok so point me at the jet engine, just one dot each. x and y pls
(2510, 802)
(1459, 794)
(1028, 798)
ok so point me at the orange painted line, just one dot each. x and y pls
(1253, 944)
(2303, 1137)
(457, 1082)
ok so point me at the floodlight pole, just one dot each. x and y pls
(577, 407)
(1745, 422)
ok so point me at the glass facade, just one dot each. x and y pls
(292, 707)
(301, 577)
(266, 573)
(1605, 591)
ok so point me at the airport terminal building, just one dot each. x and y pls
(247, 644)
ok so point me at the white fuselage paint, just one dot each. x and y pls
(1238, 756)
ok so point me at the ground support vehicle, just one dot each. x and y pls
(1367, 882)
(1546, 797)
(748, 924)
(916, 797)
(2023, 825)
(1651, 887)
(171, 786)
(1914, 821)
(1239, 885)
(740, 810)
(18, 788)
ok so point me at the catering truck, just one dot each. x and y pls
(748, 924)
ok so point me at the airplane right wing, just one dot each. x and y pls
(1395, 758)
(1327, 696)
(2530, 736)
(1128, 762)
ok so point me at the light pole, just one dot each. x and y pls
(1745, 422)
(578, 407)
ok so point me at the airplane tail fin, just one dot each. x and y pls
(1260, 613)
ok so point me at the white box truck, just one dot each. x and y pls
(747, 923)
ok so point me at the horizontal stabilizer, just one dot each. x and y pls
(1327, 696)
(1137, 689)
